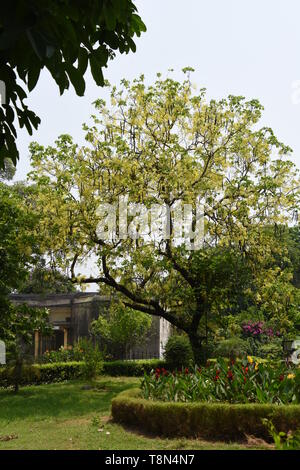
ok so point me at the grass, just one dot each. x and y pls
(71, 416)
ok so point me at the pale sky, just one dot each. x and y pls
(249, 48)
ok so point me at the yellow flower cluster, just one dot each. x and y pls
(291, 376)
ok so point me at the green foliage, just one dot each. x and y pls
(178, 351)
(232, 348)
(132, 368)
(179, 148)
(260, 331)
(204, 420)
(62, 355)
(55, 371)
(18, 243)
(223, 381)
(21, 322)
(46, 280)
(42, 373)
(282, 440)
(122, 327)
(92, 357)
(271, 350)
(64, 37)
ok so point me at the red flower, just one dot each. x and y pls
(186, 371)
(245, 380)
(230, 375)
(216, 378)
(281, 377)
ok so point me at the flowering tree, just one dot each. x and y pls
(166, 145)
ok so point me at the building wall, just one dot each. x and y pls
(75, 312)
(150, 347)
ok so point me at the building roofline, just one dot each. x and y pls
(58, 300)
(69, 295)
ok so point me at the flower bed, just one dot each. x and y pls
(223, 381)
(201, 419)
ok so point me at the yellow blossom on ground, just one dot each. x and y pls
(256, 366)
(249, 359)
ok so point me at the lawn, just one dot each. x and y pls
(72, 416)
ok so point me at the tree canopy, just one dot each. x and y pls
(164, 144)
(121, 328)
(64, 37)
(43, 279)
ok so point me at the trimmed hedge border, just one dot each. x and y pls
(37, 374)
(132, 368)
(205, 420)
(59, 371)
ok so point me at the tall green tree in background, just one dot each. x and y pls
(63, 36)
(18, 248)
(121, 329)
(43, 279)
(165, 144)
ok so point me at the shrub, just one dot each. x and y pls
(92, 358)
(42, 373)
(62, 355)
(84, 351)
(134, 368)
(271, 350)
(232, 348)
(207, 351)
(282, 440)
(56, 372)
(258, 329)
(205, 420)
(178, 352)
(121, 328)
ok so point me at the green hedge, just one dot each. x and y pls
(205, 420)
(42, 373)
(59, 371)
(133, 368)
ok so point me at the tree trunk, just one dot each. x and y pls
(17, 374)
(196, 343)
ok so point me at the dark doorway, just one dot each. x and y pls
(59, 339)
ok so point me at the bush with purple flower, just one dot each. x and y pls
(258, 329)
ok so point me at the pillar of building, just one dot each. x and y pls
(36, 344)
(65, 338)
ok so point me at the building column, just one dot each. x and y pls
(36, 344)
(65, 338)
